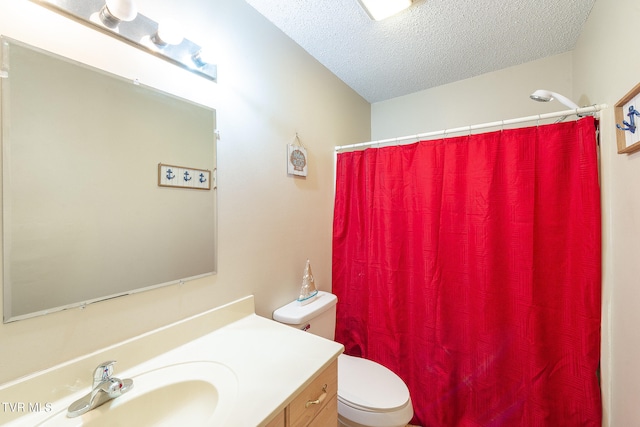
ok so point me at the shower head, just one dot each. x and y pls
(542, 95)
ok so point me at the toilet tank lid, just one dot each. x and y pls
(295, 313)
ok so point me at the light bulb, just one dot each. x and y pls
(116, 11)
(168, 33)
(123, 10)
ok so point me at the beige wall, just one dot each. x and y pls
(269, 223)
(606, 67)
(490, 97)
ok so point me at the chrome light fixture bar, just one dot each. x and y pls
(119, 19)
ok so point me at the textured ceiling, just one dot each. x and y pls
(433, 43)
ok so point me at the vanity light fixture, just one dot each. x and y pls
(120, 19)
(381, 9)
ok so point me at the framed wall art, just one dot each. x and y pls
(297, 160)
(183, 177)
(627, 113)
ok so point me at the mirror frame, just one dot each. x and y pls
(8, 312)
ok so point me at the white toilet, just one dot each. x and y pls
(369, 394)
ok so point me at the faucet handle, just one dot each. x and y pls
(103, 372)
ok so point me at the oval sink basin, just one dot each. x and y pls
(192, 393)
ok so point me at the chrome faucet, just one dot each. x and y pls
(105, 388)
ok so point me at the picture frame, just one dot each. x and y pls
(296, 160)
(627, 116)
(183, 177)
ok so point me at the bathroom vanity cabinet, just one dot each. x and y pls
(315, 406)
(223, 349)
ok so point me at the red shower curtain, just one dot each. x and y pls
(470, 266)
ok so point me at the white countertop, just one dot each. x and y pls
(271, 361)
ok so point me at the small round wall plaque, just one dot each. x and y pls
(297, 164)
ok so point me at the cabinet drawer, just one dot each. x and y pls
(328, 416)
(315, 397)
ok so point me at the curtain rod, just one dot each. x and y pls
(577, 111)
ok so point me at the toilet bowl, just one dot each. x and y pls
(369, 394)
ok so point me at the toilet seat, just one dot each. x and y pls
(368, 386)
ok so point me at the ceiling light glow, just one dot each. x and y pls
(381, 9)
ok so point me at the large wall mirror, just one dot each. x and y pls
(83, 215)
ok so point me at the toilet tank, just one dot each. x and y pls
(317, 316)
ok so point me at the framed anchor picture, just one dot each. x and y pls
(183, 177)
(627, 113)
